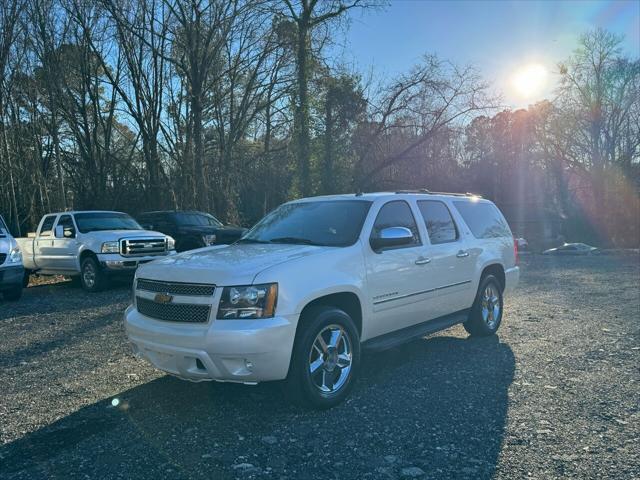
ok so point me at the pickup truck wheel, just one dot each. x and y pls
(486, 312)
(13, 294)
(92, 278)
(325, 360)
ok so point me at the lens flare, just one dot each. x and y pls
(530, 80)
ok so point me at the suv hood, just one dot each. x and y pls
(112, 235)
(224, 265)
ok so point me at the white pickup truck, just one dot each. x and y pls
(91, 245)
(317, 279)
(11, 269)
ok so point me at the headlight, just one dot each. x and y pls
(171, 243)
(110, 247)
(15, 255)
(249, 301)
(209, 239)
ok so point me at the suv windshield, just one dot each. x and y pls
(329, 223)
(197, 219)
(96, 221)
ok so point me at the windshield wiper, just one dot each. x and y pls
(293, 240)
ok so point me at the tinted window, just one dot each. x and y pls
(197, 219)
(66, 222)
(396, 214)
(47, 226)
(484, 219)
(437, 218)
(317, 223)
(96, 221)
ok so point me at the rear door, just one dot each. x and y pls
(451, 266)
(65, 246)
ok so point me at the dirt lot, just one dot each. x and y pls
(555, 395)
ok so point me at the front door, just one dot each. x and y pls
(64, 249)
(396, 278)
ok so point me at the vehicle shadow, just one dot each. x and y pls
(438, 404)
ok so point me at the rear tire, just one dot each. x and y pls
(486, 313)
(325, 359)
(25, 278)
(13, 294)
(92, 277)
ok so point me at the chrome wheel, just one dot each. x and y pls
(89, 274)
(490, 306)
(330, 359)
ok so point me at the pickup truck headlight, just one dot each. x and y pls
(15, 255)
(110, 247)
(248, 301)
(209, 239)
(171, 243)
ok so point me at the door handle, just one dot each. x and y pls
(462, 254)
(422, 261)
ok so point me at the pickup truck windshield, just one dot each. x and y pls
(93, 222)
(329, 223)
(197, 220)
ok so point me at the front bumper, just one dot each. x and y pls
(117, 263)
(246, 351)
(11, 277)
(512, 277)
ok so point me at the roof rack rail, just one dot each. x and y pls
(429, 192)
(419, 190)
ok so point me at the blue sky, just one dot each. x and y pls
(500, 37)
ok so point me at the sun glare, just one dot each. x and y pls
(529, 80)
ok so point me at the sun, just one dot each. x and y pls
(529, 80)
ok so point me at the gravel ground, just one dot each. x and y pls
(555, 395)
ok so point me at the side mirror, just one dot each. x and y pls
(392, 237)
(59, 231)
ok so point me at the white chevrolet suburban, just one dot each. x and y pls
(91, 245)
(316, 280)
(11, 269)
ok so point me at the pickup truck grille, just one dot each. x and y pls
(173, 312)
(3, 257)
(176, 288)
(137, 247)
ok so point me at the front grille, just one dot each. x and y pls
(173, 312)
(3, 257)
(143, 246)
(174, 288)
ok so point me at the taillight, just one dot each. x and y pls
(515, 250)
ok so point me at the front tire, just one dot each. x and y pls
(325, 359)
(92, 277)
(486, 313)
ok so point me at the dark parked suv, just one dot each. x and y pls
(190, 229)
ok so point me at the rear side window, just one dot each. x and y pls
(484, 219)
(396, 214)
(438, 221)
(47, 226)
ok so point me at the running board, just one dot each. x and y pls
(393, 339)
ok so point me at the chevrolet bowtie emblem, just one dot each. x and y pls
(163, 298)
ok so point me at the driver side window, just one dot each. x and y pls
(66, 222)
(396, 213)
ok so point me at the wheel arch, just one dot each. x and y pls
(496, 269)
(349, 302)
